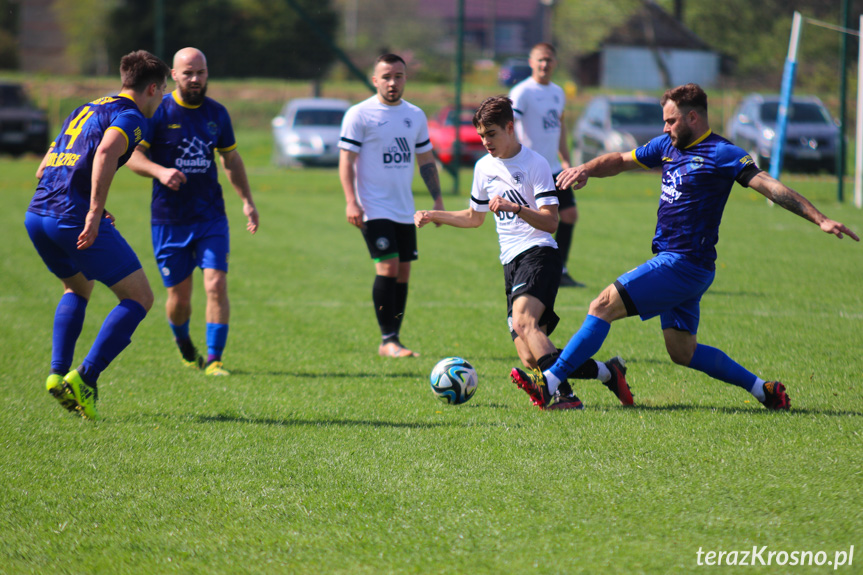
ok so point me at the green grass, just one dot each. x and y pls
(317, 456)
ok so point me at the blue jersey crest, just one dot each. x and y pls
(696, 182)
(186, 138)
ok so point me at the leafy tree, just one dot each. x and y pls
(8, 31)
(241, 38)
(387, 26)
(756, 35)
(580, 27)
(84, 24)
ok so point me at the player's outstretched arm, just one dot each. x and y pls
(105, 162)
(782, 195)
(603, 166)
(141, 164)
(461, 219)
(234, 167)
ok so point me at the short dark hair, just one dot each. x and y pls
(545, 45)
(390, 59)
(139, 69)
(496, 110)
(688, 96)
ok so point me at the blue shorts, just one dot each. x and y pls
(108, 260)
(669, 286)
(181, 248)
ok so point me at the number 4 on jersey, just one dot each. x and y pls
(77, 124)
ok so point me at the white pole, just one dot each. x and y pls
(858, 154)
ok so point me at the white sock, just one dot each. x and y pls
(552, 381)
(604, 372)
(758, 389)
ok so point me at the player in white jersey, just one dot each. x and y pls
(538, 104)
(515, 183)
(381, 139)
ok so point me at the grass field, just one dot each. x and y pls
(317, 456)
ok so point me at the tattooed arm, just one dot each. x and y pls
(428, 171)
(784, 196)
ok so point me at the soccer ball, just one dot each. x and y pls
(453, 380)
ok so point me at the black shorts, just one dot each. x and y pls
(387, 239)
(534, 272)
(565, 198)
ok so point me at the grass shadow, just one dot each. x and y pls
(233, 418)
(727, 293)
(302, 375)
(759, 412)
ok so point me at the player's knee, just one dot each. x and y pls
(569, 216)
(216, 286)
(146, 298)
(680, 354)
(600, 304)
(523, 326)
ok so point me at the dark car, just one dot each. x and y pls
(442, 130)
(23, 126)
(615, 124)
(513, 71)
(811, 137)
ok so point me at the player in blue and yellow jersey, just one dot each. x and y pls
(189, 224)
(75, 235)
(699, 169)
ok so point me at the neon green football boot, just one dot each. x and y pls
(85, 396)
(216, 368)
(61, 392)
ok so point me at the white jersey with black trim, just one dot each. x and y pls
(524, 179)
(538, 110)
(387, 139)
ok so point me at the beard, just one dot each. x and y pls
(684, 138)
(194, 96)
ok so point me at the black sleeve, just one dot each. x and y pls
(746, 174)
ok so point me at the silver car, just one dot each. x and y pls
(811, 137)
(306, 132)
(615, 124)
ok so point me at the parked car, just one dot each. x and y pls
(23, 126)
(513, 71)
(811, 137)
(306, 132)
(442, 130)
(615, 124)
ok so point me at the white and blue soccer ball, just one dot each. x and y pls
(453, 380)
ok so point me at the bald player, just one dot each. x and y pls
(189, 224)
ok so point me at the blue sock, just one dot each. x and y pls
(181, 332)
(68, 321)
(715, 363)
(114, 336)
(217, 336)
(581, 347)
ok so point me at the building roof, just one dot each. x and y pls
(653, 26)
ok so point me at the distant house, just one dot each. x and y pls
(497, 28)
(650, 51)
